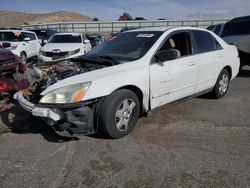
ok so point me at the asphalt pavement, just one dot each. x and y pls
(198, 143)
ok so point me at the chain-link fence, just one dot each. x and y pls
(105, 27)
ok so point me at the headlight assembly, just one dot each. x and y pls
(66, 95)
(74, 52)
(42, 52)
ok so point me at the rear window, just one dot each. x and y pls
(40, 33)
(236, 28)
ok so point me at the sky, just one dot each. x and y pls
(149, 9)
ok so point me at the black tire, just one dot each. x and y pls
(222, 84)
(23, 57)
(241, 66)
(113, 108)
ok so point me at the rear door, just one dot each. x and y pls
(26, 45)
(210, 58)
(34, 44)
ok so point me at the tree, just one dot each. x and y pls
(96, 19)
(125, 16)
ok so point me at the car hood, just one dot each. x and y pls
(111, 72)
(64, 47)
(5, 54)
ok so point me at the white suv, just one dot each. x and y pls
(133, 73)
(25, 44)
(62, 46)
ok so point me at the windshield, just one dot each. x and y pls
(128, 46)
(65, 39)
(236, 28)
(11, 36)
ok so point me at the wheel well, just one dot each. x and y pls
(229, 69)
(138, 92)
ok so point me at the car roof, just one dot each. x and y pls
(163, 29)
(150, 29)
(68, 34)
(241, 19)
(13, 30)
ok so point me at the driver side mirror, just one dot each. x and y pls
(166, 55)
(45, 41)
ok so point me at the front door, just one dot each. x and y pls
(174, 79)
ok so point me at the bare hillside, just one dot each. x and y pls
(16, 19)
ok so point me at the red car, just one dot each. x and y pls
(11, 70)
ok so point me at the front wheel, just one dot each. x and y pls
(119, 113)
(222, 84)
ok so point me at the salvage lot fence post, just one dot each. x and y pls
(114, 26)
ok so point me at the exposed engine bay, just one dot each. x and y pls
(49, 73)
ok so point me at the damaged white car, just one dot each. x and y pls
(130, 75)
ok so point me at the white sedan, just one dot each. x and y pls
(132, 74)
(63, 46)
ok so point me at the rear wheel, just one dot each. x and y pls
(222, 84)
(23, 58)
(119, 113)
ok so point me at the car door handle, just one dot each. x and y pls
(190, 64)
(220, 56)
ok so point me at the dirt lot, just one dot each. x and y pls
(198, 143)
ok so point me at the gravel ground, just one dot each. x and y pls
(198, 143)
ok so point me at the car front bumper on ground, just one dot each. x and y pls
(37, 111)
(73, 119)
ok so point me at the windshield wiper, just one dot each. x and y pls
(110, 59)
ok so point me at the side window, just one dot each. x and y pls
(23, 36)
(205, 42)
(236, 28)
(217, 44)
(32, 36)
(179, 42)
(217, 29)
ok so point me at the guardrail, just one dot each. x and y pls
(105, 27)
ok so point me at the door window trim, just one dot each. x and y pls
(152, 61)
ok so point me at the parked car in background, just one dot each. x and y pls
(237, 32)
(123, 29)
(62, 46)
(128, 28)
(139, 18)
(132, 74)
(95, 39)
(44, 34)
(217, 29)
(25, 44)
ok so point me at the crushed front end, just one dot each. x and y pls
(70, 117)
